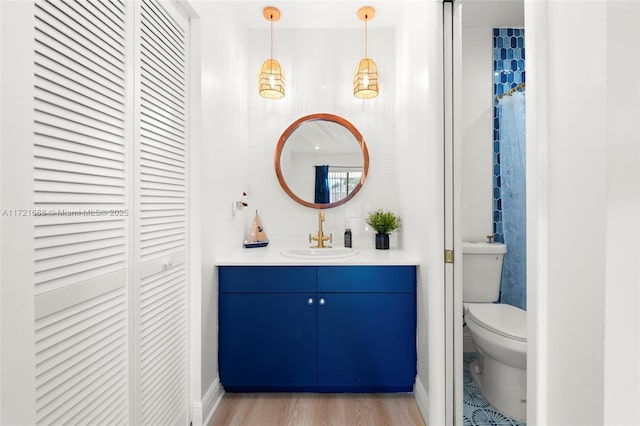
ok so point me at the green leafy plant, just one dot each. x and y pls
(383, 222)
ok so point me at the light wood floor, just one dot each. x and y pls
(311, 409)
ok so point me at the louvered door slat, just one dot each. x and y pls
(53, 101)
(167, 117)
(47, 123)
(64, 359)
(106, 12)
(103, 105)
(52, 48)
(48, 175)
(161, 155)
(170, 38)
(159, 140)
(80, 253)
(66, 78)
(154, 57)
(112, 8)
(160, 103)
(163, 212)
(161, 88)
(154, 120)
(173, 36)
(103, 36)
(165, 347)
(45, 163)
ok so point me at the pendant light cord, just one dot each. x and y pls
(366, 36)
(271, 61)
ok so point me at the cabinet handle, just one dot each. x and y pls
(322, 300)
(310, 301)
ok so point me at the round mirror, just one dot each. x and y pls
(321, 161)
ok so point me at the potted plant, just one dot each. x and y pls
(384, 223)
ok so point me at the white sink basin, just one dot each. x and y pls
(322, 253)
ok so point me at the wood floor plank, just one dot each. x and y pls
(317, 409)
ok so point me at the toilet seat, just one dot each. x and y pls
(506, 320)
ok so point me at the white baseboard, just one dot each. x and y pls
(422, 398)
(202, 411)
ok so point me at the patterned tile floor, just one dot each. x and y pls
(477, 411)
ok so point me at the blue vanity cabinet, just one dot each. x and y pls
(317, 328)
(267, 328)
(367, 328)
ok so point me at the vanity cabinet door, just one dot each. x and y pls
(267, 341)
(367, 328)
(267, 328)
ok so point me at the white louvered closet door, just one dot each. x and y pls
(111, 212)
(80, 243)
(162, 215)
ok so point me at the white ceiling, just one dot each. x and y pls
(492, 13)
(319, 14)
(314, 14)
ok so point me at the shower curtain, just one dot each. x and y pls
(512, 173)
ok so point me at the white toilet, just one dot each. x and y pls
(499, 331)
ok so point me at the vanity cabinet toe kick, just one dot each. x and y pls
(317, 328)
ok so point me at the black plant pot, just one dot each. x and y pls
(382, 241)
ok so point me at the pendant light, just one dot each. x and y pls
(271, 78)
(365, 79)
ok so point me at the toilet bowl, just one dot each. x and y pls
(499, 333)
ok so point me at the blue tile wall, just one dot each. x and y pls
(508, 72)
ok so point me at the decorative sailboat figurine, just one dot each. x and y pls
(256, 236)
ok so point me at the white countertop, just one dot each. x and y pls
(271, 255)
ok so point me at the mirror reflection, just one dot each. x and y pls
(321, 161)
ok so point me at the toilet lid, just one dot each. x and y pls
(506, 320)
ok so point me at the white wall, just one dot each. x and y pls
(622, 316)
(318, 66)
(583, 201)
(402, 128)
(222, 147)
(419, 158)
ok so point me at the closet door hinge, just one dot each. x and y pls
(448, 256)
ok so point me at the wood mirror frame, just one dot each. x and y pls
(324, 117)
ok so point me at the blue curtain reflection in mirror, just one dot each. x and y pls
(322, 185)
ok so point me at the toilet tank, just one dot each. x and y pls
(481, 271)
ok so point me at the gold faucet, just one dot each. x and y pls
(321, 238)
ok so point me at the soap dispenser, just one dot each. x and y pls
(347, 237)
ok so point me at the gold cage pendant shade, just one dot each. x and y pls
(271, 77)
(271, 80)
(365, 79)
